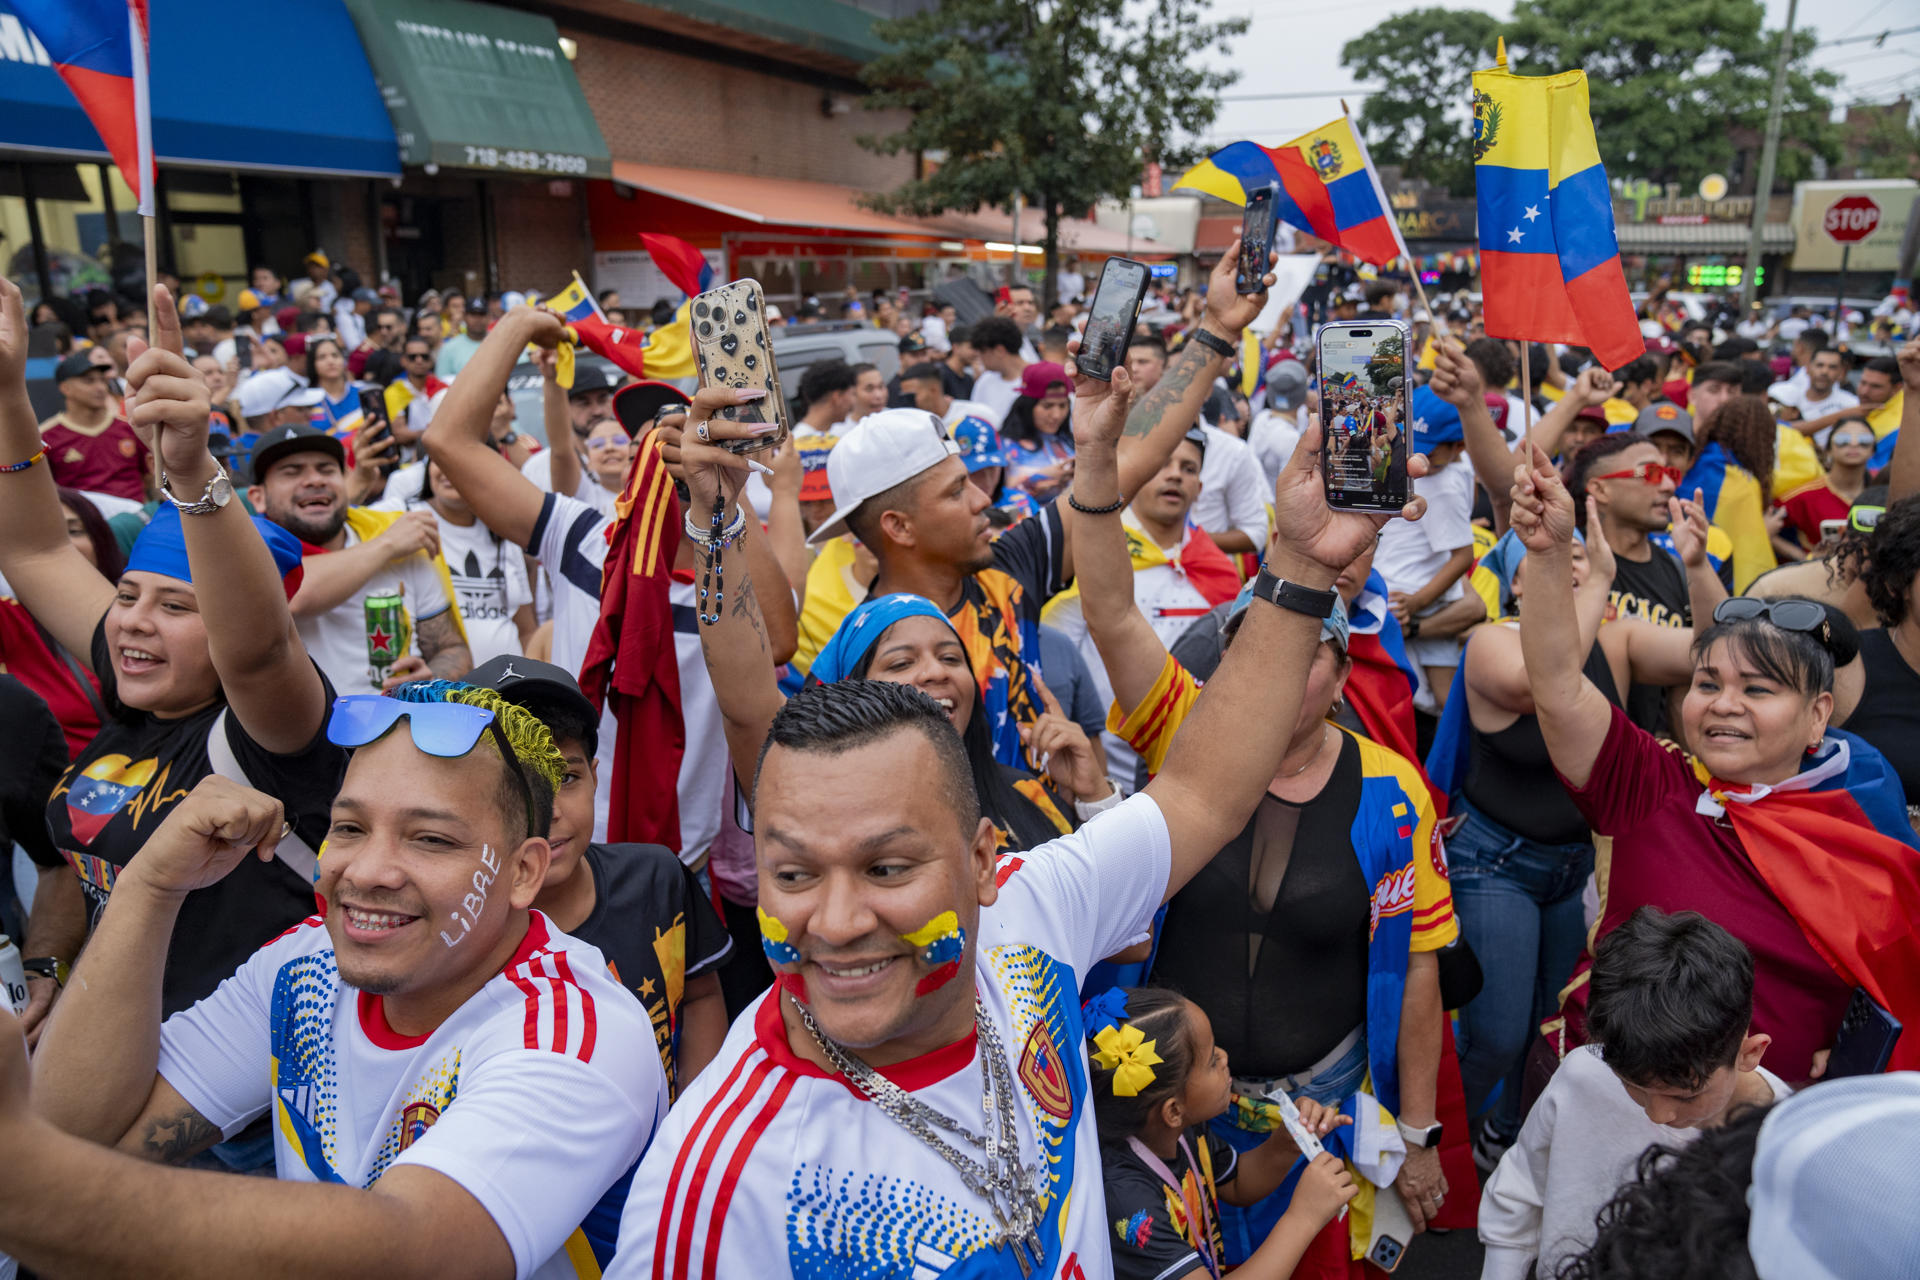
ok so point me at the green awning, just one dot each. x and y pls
(473, 86)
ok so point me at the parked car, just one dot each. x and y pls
(799, 345)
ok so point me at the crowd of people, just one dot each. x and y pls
(1015, 825)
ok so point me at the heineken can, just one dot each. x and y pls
(12, 976)
(389, 635)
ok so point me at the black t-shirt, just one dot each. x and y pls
(1889, 712)
(655, 928)
(1155, 1237)
(33, 755)
(113, 798)
(1281, 986)
(1001, 606)
(1653, 590)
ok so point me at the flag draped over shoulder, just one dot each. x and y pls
(679, 262)
(631, 665)
(99, 48)
(1549, 260)
(1328, 187)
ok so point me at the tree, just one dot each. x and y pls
(1667, 80)
(1056, 101)
(1890, 147)
(1425, 60)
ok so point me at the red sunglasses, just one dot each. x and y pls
(1650, 472)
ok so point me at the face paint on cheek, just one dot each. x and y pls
(773, 940)
(475, 902)
(941, 942)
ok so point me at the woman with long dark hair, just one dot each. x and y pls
(339, 414)
(1036, 436)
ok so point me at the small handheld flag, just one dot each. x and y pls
(1549, 259)
(575, 302)
(99, 48)
(680, 262)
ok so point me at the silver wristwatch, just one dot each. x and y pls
(218, 493)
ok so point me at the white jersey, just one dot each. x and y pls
(337, 639)
(570, 540)
(537, 1095)
(769, 1167)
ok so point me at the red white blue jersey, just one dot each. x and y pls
(537, 1095)
(770, 1167)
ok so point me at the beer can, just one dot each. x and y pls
(389, 635)
(12, 976)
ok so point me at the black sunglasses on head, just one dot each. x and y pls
(1803, 616)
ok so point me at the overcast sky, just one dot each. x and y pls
(1293, 46)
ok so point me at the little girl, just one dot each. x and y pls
(1158, 1077)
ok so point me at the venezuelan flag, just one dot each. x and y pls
(1362, 218)
(1239, 167)
(1549, 262)
(573, 302)
(99, 49)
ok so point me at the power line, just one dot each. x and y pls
(1353, 91)
(1872, 35)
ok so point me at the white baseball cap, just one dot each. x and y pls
(270, 389)
(883, 450)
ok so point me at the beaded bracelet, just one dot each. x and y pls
(22, 466)
(722, 538)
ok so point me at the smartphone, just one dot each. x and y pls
(1865, 1040)
(243, 351)
(1116, 309)
(1365, 412)
(731, 348)
(1832, 528)
(373, 407)
(1256, 238)
(1392, 1230)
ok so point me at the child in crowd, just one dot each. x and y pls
(1158, 1078)
(1423, 561)
(1672, 1055)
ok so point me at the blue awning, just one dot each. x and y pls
(237, 84)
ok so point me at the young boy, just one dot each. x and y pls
(659, 933)
(1423, 561)
(1672, 1054)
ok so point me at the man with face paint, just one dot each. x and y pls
(456, 1087)
(911, 1097)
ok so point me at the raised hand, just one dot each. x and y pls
(1229, 310)
(13, 335)
(1306, 531)
(1072, 760)
(708, 470)
(1456, 379)
(1593, 386)
(1099, 408)
(1600, 561)
(167, 399)
(1689, 528)
(1909, 357)
(1542, 508)
(207, 834)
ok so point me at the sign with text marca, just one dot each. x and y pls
(1851, 219)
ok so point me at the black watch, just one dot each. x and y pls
(47, 967)
(1214, 343)
(1291, 595)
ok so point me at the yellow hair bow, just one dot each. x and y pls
(1129, 1055)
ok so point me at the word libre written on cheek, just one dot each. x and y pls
(476, 901)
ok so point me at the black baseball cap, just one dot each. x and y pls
(588, 378)
(638, 403)
(295, 437)
(78, 365)
(529, 683)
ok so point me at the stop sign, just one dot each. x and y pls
(1851, 219)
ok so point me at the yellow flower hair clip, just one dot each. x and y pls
(1129, 1055)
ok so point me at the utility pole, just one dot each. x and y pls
(1769, 153)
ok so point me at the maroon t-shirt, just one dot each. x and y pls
(111, 459)
(1666, 855)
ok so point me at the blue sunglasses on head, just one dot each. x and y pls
(446, 729)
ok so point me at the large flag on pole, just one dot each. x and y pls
(1549, 261)
(1328, 187)
(99, 48)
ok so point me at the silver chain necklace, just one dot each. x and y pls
(1010, 1188)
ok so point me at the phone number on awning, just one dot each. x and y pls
(525, 161)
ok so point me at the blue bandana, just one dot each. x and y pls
(862, 629)
(162, 546)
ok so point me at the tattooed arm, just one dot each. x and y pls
(446, 653)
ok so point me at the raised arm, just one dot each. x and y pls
(1574, 715)
(786, 532)
(563, 475)
(458, 438)
(738, 650)
(1494, 669)
(1689, 526)
(52, 579)
(1457, 380)
(275, 691)
(1592, 387)
(1224, 756)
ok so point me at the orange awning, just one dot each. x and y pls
(772, 202)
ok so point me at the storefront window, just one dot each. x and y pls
(80, 236)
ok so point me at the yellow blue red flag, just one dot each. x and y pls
(1549, 260)
(574, 302)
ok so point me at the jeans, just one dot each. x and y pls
(1518, 902)
(1244, 1228)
